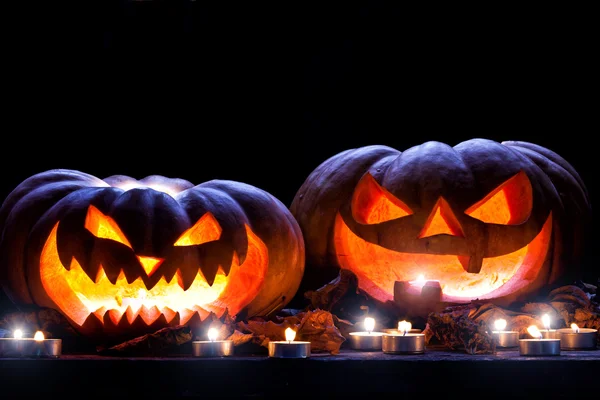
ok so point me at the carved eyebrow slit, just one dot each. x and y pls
(103, 226)
(206, 229)
(508, 204)
(373, 204)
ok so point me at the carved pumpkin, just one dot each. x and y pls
(120, 257)
(487, 220)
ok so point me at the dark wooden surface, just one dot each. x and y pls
(349, 374)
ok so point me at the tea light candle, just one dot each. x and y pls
(548, 333)
(577, 338)
(538, 346)
(403, 342)
(397, 330)
(38, 346)
(367, 340)
(503, 337)
(289, 348)
(212, 347)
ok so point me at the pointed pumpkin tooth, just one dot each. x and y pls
(209, 271)
(130, 274)
(149, 315)
(201, 312)
(176, 321)
(131, 313)
(185, 315)
(75, 270)
(93, 323)
(100, 276)
(114, 315)
(113, 275)
(99, 313)
(168, 313)
(240, 243)
(186, 277)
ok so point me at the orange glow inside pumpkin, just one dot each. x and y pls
(377, 268)
(78, 296)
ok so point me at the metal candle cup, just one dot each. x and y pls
(292, 349)
(29, 347)
(584, 339)
(212, 347)
(539, 347)
(409, 343)
(289, 348)
(216, 348)
(366, 341)
(506, 338)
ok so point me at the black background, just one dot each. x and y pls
(264, 93)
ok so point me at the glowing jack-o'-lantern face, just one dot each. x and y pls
(440, 249)
(120, 257)
(485, 219)
(179, 284)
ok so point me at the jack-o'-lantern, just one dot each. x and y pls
(487, 220)
(120, 257)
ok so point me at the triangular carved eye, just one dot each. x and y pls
(373, 204)
(103, 226)
(509, 204)
(206, 229)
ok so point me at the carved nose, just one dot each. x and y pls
(441, 221)
(150, 264)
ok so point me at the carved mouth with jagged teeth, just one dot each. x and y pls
(499, 275)
(125, 300)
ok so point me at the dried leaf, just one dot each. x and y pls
(238, 338)
(343, 298)
(565, 305)
(316, 326)
(160, 343)
(459, 333)
(520, 323)
(319, 328)
(224, 324)
(539, 309)
(570, 293)
(327, 296)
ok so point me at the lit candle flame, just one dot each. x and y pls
(39, 336)
(404, 327)
(369, 324)
(534, 332)
(213, 333)
(546, 321)
(290, 334)
(500, 324)
(18, 334)
(575, 328)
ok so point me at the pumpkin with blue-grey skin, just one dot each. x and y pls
(121, 257)
(488, 220)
